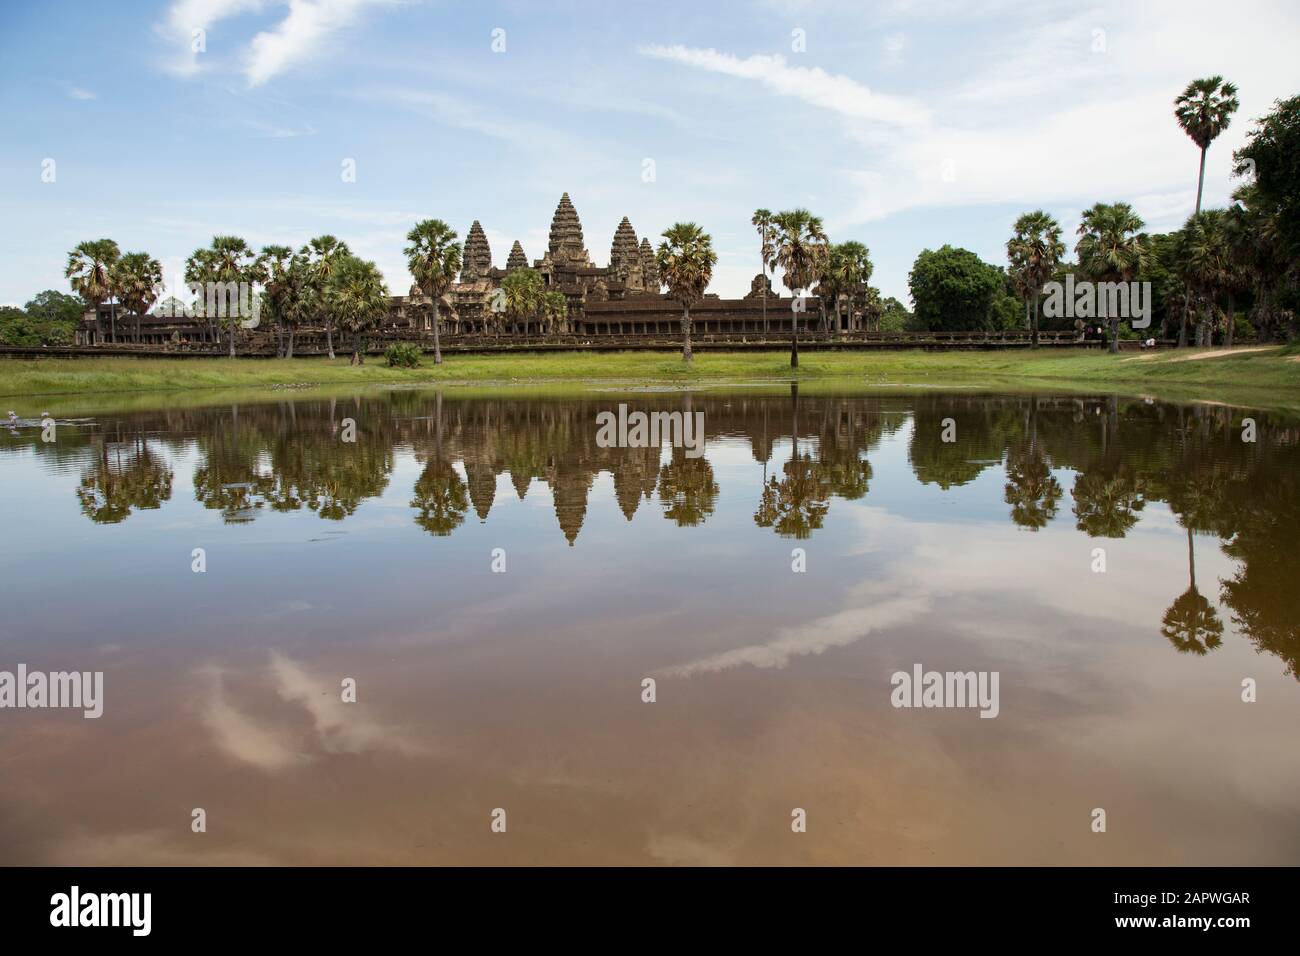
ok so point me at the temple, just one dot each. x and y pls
(622, 298)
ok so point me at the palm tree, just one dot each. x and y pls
(1034, 250)
(801, 252)
(1204, 263)
(275, 263)
(433, 258)
(555, 306)
(762, 221)
(1110, 250)
(356, 294)
(88, 269)
(138, 279)
(522, 294)
(323, 253)
(1204, 110)
(686, 259)
(848, 269)
(1261, 255)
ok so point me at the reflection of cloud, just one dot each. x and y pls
(241, 737)
(835, 630)
(340, 728)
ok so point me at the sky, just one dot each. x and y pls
(904, 124)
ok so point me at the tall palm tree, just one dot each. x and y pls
(357, 296)
(686, 259)
(522, 291)
(848, 268)
(323, 254)
(1205, 264)
(1110, 249)
(275, 263)
(1034, 251)
(138, 279)
(88, 269)
(762, 221)
(555, 306)
(433, 258)
(1204, 110)
(802, 252)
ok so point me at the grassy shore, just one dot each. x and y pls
(1246, 376)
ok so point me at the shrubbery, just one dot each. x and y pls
(402, 355)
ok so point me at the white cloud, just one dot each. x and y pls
(298, 35)
(77, 93)
(814, 85)
(185, 17)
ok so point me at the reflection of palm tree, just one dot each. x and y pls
(1032, 491)
(797, 505)
(115, 486)
(1106, 505)
(1192, 624)
(441, 498)
(687, 489)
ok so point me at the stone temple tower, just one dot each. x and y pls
(649, 267)
(567, 245)
(476, 262)
(624, 258)
(517, 258)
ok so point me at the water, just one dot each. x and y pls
(373, 561)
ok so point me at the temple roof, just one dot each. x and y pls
(517, 258)
(649, 265)
(477, 260)
(566, 242)
(623, 253)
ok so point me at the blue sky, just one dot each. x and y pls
(905, 124)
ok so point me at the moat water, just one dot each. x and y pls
(498, 590)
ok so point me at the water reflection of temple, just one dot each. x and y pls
(1096, 464)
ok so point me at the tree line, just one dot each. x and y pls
(1246, 254)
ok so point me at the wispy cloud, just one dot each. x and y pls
(812, 85)
(188, 21)
(299, 35)
(77, 93)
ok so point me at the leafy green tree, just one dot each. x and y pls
(138, 278)
(1204, 263)
(802, 251)
(276, 264)
(55, 307)
(1034, 250)
(357, 297)
(1272, 153)
(555, 308)
(953, 290)
(433, 258)
(848, 269)
(1110, 249)
(523, 295)
(227, 264)
(323, 255)
(686, 259)
(88, 271)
